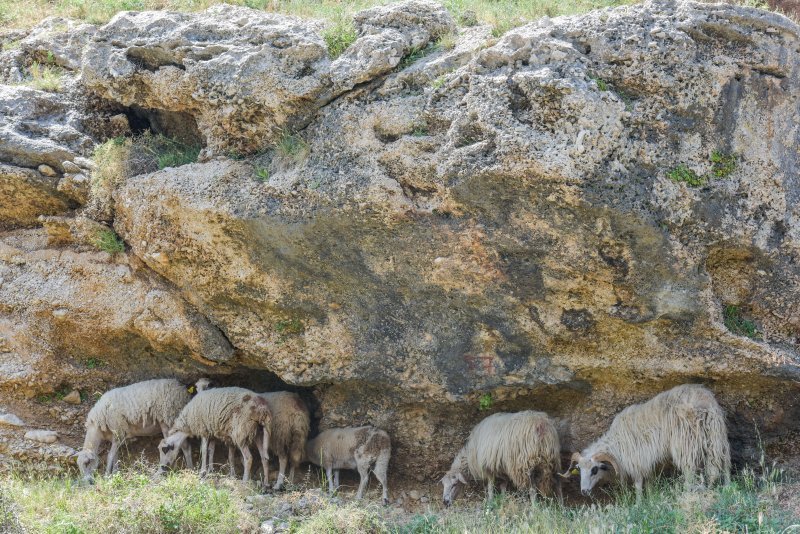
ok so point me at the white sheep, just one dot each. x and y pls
(232, 415)
(358, 448)
(684, 425)
(508, 445)
(142, 409)
(289, 432)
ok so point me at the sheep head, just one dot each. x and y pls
(595, 469)
(168, 450)
(87, 464)
(202, 384)
(453, 482)
(257, 409)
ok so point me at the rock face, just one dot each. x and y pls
(570, 218)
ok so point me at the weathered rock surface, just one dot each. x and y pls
(26, 194)
(245, 77)
(570, 218)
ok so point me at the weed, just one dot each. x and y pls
(722, 165)
(438, 83)
(292, 146)
(44, 77)
(415, 54)
(262, 173)
(107, 240)
(447, 41)
(601, 84)
(684, 174)
(485, 401)
(290, 327)
(734, 322)
(339, 36)
(173, 153)
(94, 363)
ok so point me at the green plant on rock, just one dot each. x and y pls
(292, 146)
(485, 401)
(107, 240)
(736, 323)
(173, 153)
(722, 165)
(44, 77)
(339, 36)
(289, 327)
(601, 84)
(684, 174)
(262, 173)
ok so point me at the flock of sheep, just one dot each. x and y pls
(684, 425)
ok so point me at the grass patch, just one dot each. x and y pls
(94, 363)
(292, 146)
(601, 84)
(485, 401)
(684, 174)
(262, 173)
(44, 77)
(109, 241)
(339, 36)
(722, 165)
(290, 327)
(736, 323)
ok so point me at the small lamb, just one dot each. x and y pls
(357, 448)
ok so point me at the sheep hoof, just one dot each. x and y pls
(386, 502)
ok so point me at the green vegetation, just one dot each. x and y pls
(485, 401)
(736, 323)
(292, 146)
(94, 363)
(415, 54)
(684, 174)
(262, 173)
(722, 164)
(447, 41)
(109, 241)
(172, 153)
(290, 327)
(44, 77)
(339, 36)
(601, 84)
(135, 501)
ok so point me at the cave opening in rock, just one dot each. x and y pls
(179, 126)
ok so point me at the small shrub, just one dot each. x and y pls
(262, 173)
(485, 401)
(109, 241)
(722, 165)
(732, 317)
(601, 84)
(292, 146)
(684, 174)
(339, 36)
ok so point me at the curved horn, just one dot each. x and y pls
(606, 457)
(576, 457)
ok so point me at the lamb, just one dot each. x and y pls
(140, 409)
(508, 445)
(232, 415)
(289, 432)
(684, 424)
(352, 448)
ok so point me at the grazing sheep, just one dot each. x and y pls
(508, 445)
(289, 431)
(684, 424)
(232, 415)
(142, 409)
(352, 448)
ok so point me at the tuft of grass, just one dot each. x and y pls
(684, 174)
(94, 363)
(485, 401)
(438, 83)
(447, 41)
(44, 77)
(290, 327)
(109, 241)
(722, 165)
(292, 146)
(414, 55)
(172, 153)
(736, 323)
(601, 84)
(339, 36)
(262, 173)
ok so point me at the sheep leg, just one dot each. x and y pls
(490, 489)
(336, 478)
(638, 483)
(186, 449)
(232, 461)
(247, 462)
(282, 461)
(204, 446)
(363, 473)
(263, 451)
(111, 461)
(380, 474)
(329, 473)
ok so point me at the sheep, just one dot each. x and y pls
(289, 431)
(230, 414)
(684, 424)
(352, 448)
(141, 409)
(509, 445)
